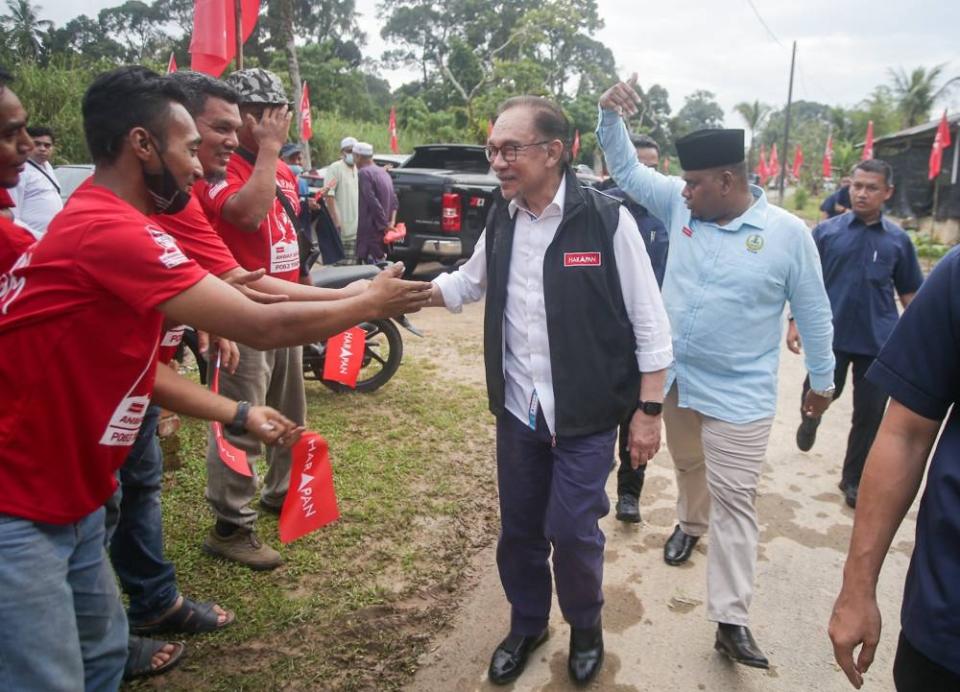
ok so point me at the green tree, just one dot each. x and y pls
(24, 31)
(916, 92)
(753, 115)
(700, 111)
(83, 39)
(137, 27)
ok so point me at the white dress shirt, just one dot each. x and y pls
(37, 197)
(526, 349)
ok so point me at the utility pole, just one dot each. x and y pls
(238, 31)
(786, 129)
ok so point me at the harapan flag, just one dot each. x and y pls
(575, 149)
(868, 143)
(172, 64)
(940, 142)
(392, 126)
(773, 165)
(312, 500)
(344, 356)
(762, 169)
(214, 41)
(797, 161)
(828, 157)
(234, 458)
(306, 120)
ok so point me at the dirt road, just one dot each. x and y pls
(656, 633)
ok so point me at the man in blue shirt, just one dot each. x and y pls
(919, 367)
(865, 257)
(839, 202)
(629, 479)
(734, 263)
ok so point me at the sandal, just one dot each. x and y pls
(190, 618)
(140, 653)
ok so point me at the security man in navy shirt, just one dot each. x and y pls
(919, 367)
(654, 234)
(865, 257)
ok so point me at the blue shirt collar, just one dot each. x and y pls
(883, 224)
(755, 216)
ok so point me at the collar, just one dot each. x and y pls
(881, 224)
(755, 216)
(555, 208)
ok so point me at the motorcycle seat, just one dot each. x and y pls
(338, 277)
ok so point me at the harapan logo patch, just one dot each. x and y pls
(581, 259)
(754, 242)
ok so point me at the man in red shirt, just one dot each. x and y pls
(15, 147)
(92, 297)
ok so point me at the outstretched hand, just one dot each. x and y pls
(395, 296)
(240, 280)
(271, 427)
(622, 97)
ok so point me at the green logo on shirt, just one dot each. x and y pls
(755, 242)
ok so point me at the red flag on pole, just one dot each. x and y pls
(940, 142)
(234, 458)
(312, 500)
(868, 143)
(575, 149)
(489, 127)
(214, 44)
(762, 169)
(172, 64)
(828, 157)
(394, 145)
(345, 356)
(797, 161)
(773, 165)
(306, 119)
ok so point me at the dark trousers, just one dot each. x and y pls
(551, 497)
(136, 545)
(869, 403)
(914, 672)
(629, 479)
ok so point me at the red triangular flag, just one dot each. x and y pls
(828, 157)
(392, 126)
(344, 356)
(575, 149)
(762, 169)
(306, 119)
(234, 458)
(797, 161)
(172, 64)
(868, 143)
(213, 44)
(940, 142)
(312, 500)
(773, 165)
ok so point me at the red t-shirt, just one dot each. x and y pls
(6, 201)
(14, 241)
(192, 230)
(79, 331)
(273, 246)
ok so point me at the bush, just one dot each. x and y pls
(800, 198)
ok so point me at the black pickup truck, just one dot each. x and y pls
(444, 192)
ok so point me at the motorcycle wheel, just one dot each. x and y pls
(382, 353)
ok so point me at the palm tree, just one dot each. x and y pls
(917, 92)
(24, 29)
(753, 115)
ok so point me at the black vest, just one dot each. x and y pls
(593, 361)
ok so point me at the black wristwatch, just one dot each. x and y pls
(651, 408)
(238, 426)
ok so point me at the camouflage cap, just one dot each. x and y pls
(257, 85)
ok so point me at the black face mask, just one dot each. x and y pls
(167, 196)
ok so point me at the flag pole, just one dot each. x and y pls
(786, 129)
(238, 31)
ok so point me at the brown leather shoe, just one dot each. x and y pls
(242, 546)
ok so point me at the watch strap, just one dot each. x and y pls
(238, 426)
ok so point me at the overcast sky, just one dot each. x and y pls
(844, 48)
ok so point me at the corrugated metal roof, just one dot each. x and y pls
(954, 121)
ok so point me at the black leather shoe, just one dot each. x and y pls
(807, 433)
(586, 654)
(850, 493)
(679, 547)
(628, 509)
(510, 657)
(736, 642)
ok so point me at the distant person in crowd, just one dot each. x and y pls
(342, 189)
(573, 317)
(839, 201)
(377, 208)
(15, 148)
(735, 262)
(37, 196)
(919, 369)
(292, 155)
(867, 260)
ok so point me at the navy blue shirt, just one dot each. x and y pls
(652, 230)
(920, 367)
(862, 265)
(841, 197)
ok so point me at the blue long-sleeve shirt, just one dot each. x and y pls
(725, 291)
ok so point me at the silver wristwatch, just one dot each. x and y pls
(826, 393)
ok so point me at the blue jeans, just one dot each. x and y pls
(136, 546)
(62, 625)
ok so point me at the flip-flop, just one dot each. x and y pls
(140, 653)
(190, 618)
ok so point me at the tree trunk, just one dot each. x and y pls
(294, 66)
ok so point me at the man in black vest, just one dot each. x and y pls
(573, 316)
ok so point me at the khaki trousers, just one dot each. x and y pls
(273, 378)
(717, 465)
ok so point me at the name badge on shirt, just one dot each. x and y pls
(581, 259)
(285, 252)
(125, 424)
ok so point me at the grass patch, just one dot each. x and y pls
(356, 602)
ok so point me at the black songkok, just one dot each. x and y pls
(710, 149)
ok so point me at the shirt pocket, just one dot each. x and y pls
(880, 271)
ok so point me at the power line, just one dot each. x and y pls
(765, 25)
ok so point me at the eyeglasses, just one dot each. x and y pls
(509, 152)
